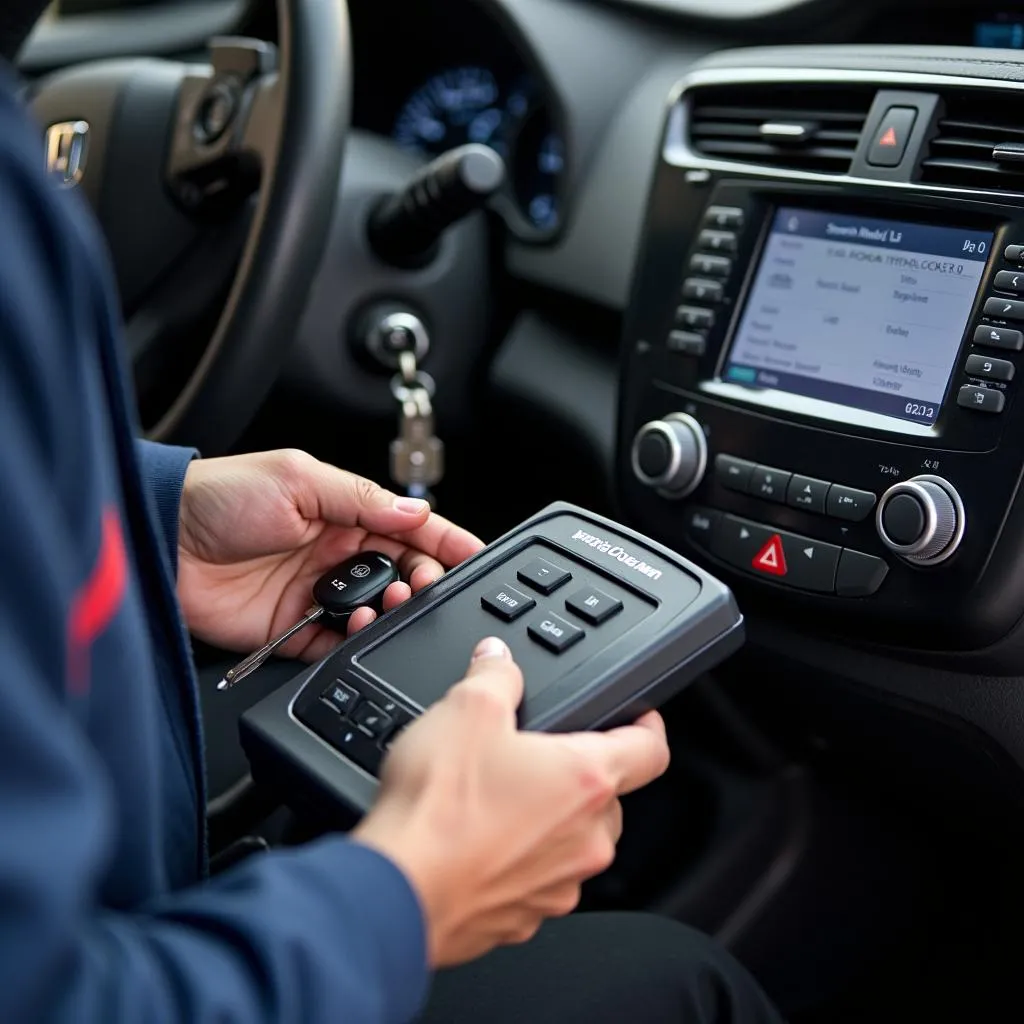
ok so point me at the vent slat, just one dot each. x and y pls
(724, 123)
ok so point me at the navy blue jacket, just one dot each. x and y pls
(105, 911)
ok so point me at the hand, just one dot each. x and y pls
(496, 829)
(258, 530)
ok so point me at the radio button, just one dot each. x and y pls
(1004, 309)
(710, 266)
(981, 399)
(904, 519)
(724, 217)
(718, 241)
(990, 369)
(1009, 281)
(686, 343)
(1014, 253)
(698, 318)
(733, 473)
(769, 484)
(807, 493)
(859, 575)
(702, 290)
(999, 337)
(849, 503)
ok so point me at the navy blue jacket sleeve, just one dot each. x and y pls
(324, 933)
(163, 469)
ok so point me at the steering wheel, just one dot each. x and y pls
(214, 184)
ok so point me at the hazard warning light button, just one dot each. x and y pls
(783, 557)
(891, 137)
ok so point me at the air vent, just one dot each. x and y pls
(979, 143)
(807, 128)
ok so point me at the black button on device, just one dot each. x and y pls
(1009, 281)
(342, 697)
(703, 290)
(807, 493)
(654, 454)
(543, 576)
(981, 399)
(593, 606)
(733, 473)
(859, 575)
(717, 241)
(361, 579)
(724, 217)
(903, 519)
(697, 317)
(701, 524)
(999, 337)
(849, 503)
(371, 719)
(769, 484)
(990, 369)
(686, 343)
(1004, 309)
(553, 632)
(710, 265)
(360, 748)
(1014, 253)
(892, 136)
(507, 603)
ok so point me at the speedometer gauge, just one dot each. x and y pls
(454, 107)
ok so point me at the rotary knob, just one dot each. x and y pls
(921, 519)
(671, 455)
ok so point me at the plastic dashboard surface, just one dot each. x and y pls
(633, 625)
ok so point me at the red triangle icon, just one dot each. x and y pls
(771, 558)
(888, 137)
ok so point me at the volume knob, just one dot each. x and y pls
(922, 519)
(670, 455)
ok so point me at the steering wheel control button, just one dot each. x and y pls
(371, 719)
(980, 399)
(985, 368)
(544, 576)
(723, 242)
(671, 455)
(933, 532)
(859, 575)
(733, 473)
(709, 265)
(725, 218)
(892, 136)
(687, 343)
(553, 632)
(342, 697)
(1004, 309)
(1009, 281)
(999, 337)
(703, 290)
(593, 606)
(695, 317)
(769, 484)
(806, 493)
(701, 524)
(216, 110)
(507, 603)
(904, 519)
(850, 504)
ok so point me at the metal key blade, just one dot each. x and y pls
(257, 658)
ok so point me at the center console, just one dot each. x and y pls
(823, 348)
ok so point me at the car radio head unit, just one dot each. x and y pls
(855, 319)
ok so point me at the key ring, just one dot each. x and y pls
(421, 381)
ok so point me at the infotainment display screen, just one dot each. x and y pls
(857, 313)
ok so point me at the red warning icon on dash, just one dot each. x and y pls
(771, 558)
(889, 137)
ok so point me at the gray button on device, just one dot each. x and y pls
(553, 632)
(507, 603)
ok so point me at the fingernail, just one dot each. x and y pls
(411, 506)
(491, 647)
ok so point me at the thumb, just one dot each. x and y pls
(491, 668)
(346, 499)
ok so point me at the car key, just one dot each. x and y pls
(358, 581)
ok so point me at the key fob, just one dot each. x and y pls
(359, 580)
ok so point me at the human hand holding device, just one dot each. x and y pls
(257, 530)
(496, 829)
